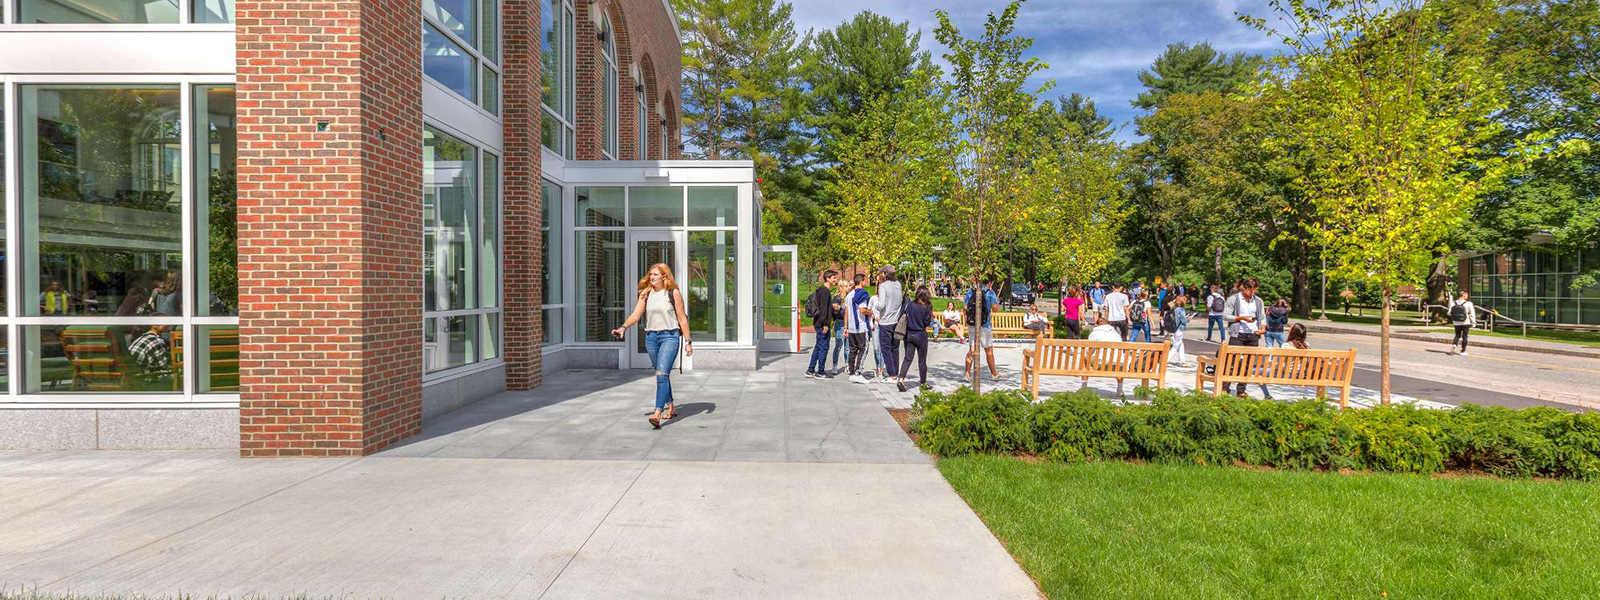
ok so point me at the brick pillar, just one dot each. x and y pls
(522, 202)
(590, 77)
(330, 225)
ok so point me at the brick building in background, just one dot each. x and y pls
(304, 228)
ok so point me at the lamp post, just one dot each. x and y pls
(1324, 316)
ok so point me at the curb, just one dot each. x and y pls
(1311, 326)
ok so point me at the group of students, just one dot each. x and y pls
(846, 312)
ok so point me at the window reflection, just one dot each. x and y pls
(102, 193)
(98, 11)
(104, 358)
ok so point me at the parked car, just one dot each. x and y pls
(1021, 295)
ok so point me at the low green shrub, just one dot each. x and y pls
(1078, 427)
(1177, 427)
(965, 422)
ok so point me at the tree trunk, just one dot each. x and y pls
(1218, 264)
(1439, 282)
(1383, 394)
(1302, 283)
(973, 355)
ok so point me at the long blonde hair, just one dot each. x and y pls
(667, 282)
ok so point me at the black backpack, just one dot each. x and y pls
(1458, 312)
(972, 309)
(1170, 321)
(818, 304)
(1216, 303)
(1137, 312)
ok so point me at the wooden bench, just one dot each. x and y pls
(1242, 365)
(1010, 323)
(1085, 359)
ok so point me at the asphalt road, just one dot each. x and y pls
(1487, 376)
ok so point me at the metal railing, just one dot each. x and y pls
(1487, 324)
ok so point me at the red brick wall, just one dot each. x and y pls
(644, 30)
(523, 323)
(330, 267)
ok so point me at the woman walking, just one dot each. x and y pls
(1071, 311)
(1180, 325)
(919, 314)
(660, 306)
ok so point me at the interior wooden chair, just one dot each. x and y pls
(96, 358)
(223, 362)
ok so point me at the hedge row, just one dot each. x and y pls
(1200, 429)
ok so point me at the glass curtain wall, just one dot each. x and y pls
(1535, 286)
(559, 77)
(709, 215)
(552, 294)
(461, 252)
(110, 283)
(461, 49)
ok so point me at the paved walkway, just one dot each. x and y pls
(845, 507)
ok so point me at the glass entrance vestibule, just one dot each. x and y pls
(607, 222)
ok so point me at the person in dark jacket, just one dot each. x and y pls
(919, 315)
(820, 307)
(1277, 324)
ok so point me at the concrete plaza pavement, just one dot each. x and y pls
(708, 507)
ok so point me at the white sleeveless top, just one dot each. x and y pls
(658, 312)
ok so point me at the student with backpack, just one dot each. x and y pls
(820, 307)
(1245, 312)
(894, 300)
(1464, 316)
(1215, 302)
(980, 302)
(1139, 317)
(1277, 324)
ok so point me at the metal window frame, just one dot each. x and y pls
(479, 150)
(479, 60)
(14, 321)
(11, 10)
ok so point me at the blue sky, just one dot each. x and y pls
(1094, 47)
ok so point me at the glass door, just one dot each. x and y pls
(778, 306)
(645, 249)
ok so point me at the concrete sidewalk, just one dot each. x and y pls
(817, 522)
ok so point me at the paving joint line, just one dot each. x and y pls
(597, 527)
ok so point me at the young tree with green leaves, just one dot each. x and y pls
(889, 172)
(992, 154)
(1390, 109)
(1077, 201)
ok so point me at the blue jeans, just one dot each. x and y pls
(1135, 328)
(839, 345)
(819, 352)
(662, 346)
(1274, 339)
(1214, 323)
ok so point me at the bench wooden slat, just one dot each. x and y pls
(1085, 359)
(1320, 369)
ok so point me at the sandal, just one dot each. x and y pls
(655, 421)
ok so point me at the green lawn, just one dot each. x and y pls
(1582, 338)
(1399, 317)
(1122, 530)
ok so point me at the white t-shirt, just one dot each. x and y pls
(855, 322)
(1248, 308)
(876, 305)
(1117, 306)
(1031, 318)
(1105, 333)
(951, 314)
